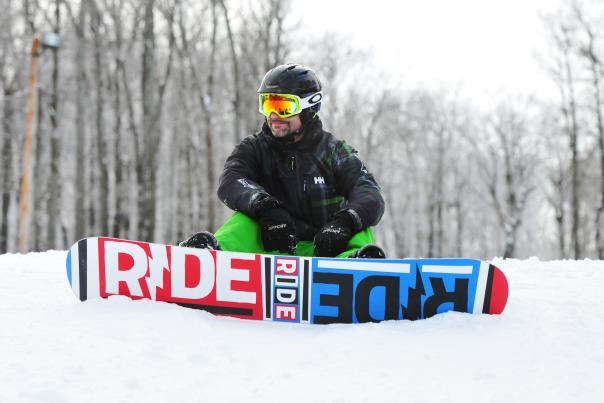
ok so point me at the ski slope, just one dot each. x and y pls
(548, 346)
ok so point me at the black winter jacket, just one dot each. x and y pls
(312, 179)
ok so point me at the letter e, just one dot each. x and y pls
(286, 312)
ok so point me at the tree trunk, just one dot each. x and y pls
(8, 185)
(459, 224)
(590, 52)
(39, 183)
(120, 222)
(440, 192)
(82, 212)
(573, 134)
(54, 181)
(596, 71)
(563, 34)
(431, 227)
(557, 201)
(101, 163)
(205, 101)
(131, 166)
(236, 84)
(567, 89)
(511, 221)
(573, 142)
(146, 159)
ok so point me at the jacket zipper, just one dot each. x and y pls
(301, 197)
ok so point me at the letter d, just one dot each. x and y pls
(206, 275)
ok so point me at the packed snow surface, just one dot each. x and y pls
(548, 346)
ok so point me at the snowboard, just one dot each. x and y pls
(284, 288)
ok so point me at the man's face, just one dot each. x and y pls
(281, 127)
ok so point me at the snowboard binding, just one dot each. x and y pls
(368, 252)
(202, 240)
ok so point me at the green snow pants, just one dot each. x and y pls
(241, 233)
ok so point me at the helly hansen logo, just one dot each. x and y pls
(319, 180)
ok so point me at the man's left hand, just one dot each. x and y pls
(333, 238)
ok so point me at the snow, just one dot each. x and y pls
(547, 346)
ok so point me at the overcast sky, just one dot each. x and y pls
(484, 45)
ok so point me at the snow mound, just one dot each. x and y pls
(547, 346)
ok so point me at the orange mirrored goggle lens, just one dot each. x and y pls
(283, 105)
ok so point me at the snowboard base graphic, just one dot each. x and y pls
(285, 288)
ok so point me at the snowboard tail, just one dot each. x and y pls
(285, 288)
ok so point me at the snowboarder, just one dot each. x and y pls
(295, 188)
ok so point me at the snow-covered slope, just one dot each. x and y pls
(548, 346)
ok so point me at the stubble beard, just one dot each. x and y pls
(283, 128)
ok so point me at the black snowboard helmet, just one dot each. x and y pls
(293, 79)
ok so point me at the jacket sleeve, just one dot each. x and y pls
(237, 187)
(363, 198)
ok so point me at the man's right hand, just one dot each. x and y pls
(277, 228)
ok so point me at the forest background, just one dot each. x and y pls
(132, 116)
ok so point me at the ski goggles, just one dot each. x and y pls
(286, 105)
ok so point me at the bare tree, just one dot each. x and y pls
(148, 144)
(83, 212)
(210, 130)
(101, 160)
(204, 91)
(263, 45)
(591, 53)
(122, 157)
(563, 72)
(556, 187)
(432, 129)
(126, 173)
(508, 169)
(12, 70)
(270, 18)
(235, 61)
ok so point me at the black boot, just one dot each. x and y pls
(368, 252)
(201, 240)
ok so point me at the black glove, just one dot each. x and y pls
(277, 228)
(333, 238)
(201, 240)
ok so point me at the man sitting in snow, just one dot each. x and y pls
(295, 188)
